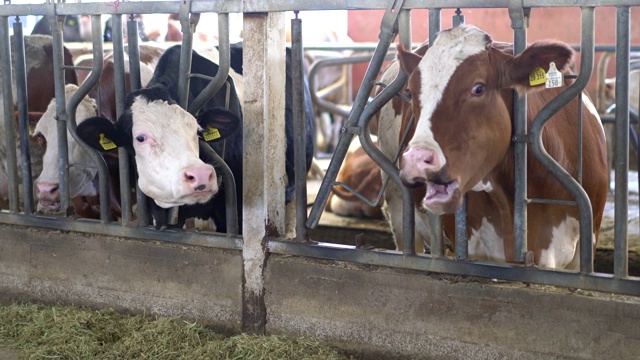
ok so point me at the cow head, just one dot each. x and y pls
(164, 139)
(47, 185)
(462, 103)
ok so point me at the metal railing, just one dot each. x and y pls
(396, 22)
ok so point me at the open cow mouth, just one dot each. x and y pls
(441, 196)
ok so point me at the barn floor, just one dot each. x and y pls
(339, 229)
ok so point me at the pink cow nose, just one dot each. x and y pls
(199, 178)
(416, 164)
(48, 191)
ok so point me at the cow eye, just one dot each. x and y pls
(141, 138)
(477, 90)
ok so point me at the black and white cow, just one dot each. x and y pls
(164, 140)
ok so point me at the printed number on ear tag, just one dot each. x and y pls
(106, 143)
(537, 76)
(554, 77)
(210, 133)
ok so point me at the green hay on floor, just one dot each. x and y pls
(63, 332)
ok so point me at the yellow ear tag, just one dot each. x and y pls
(106, 143)
(537, 76)
(210, 133)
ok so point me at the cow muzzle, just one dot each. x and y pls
(416, 165)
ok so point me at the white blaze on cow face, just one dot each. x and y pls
(46, 186)
(165, 141)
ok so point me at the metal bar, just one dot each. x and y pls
(435, 221)
(564, 178)
(9, 125)
(120, 87)
(510, 272)
(23, 116)
(61, 110)
(113, 229)
(299, 126)
(462, 238)
(237, 6)
(388, 30)
(136, 83)
(83, 90)
(621, 166)
(519, 24)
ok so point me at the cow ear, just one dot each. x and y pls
(408, 60)
(217, 124)
(99, 133)
(526, 67)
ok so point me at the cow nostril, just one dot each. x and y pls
(200, 187)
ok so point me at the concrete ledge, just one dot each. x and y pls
(375, 312)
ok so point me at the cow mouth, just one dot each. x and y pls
(48, 206)
(442, 196)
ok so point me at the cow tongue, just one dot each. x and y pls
(436, 190)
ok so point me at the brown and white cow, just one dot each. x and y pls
(100, 100)
(462, 99)
(361, 173)
(40, 91)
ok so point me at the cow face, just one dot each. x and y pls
(81, 173)
(164, 138)
(461, 99)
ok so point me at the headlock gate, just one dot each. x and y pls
(263, 224)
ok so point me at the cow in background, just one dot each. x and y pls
(361, 173)
(101, 100)
(164, 141)
(460, 144)
(40, 91)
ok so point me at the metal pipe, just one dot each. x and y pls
(565, 179)
(120, 87)
(9, 125)
(61, 112)
(231, 202)
(435, 222)
(621, 166)
(83, 90)
(23, 116)
(136, 83)
(299, 127)
(519, 24)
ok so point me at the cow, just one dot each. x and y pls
(40, 91)
(163, 141)
(460, 145)
(100, 101)
(361, 173)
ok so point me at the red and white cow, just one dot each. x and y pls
(461, 145)
(81, 173)
(361, 173)
(40, 91)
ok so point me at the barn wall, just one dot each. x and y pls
(545, 23)
(375, 311)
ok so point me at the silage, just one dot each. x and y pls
(64, 332)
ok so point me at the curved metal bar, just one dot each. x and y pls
(575, 89)
(230, 188)
(83, 90)
(223, 67)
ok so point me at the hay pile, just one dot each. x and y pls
(62, 332)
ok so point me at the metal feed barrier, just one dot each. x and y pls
(396, 22)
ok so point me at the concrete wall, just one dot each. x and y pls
(372, 311)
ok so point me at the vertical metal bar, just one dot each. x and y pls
(136, 83)
(580, 142)
(462, 238)
(61, 110)
(23, 116)
(621, 166)
(120, 87)
(519, 24)
(9, 125)
(183, 72)
(435, 221)
(299, 126)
